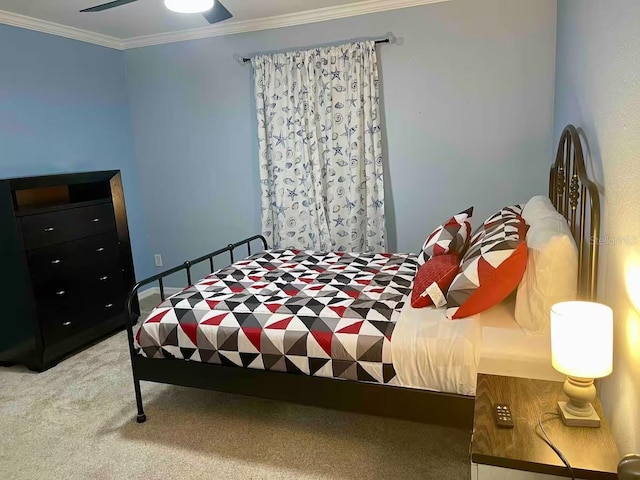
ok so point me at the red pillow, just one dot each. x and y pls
(433, 279)
(491, 269)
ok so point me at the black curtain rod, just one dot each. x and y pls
(246, 60)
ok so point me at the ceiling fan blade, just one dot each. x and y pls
(217, 14)
(107, 6)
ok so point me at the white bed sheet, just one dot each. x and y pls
(432, 352)
(508, 350)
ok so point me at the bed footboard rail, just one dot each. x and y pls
(131, 316)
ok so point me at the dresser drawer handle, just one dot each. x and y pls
(104, 278)
(49, 229)
(99, 250)
(95, 220)
(108, 305)
(60, 293)
(66, 324)
(56, 261)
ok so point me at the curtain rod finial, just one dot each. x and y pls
(239, 59)
(392, 38)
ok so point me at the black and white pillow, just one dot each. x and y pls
(451, 237)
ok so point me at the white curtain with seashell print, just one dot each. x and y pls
(321, 168)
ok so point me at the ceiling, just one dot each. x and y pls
(150, 18)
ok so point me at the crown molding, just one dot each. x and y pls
(30, 23)
(229, 28)
(280, 21)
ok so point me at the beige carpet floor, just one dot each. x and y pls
(77, 421)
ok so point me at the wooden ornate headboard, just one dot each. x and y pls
(576, 197)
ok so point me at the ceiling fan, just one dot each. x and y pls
(212, 10)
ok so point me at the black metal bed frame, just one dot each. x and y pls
(571, 192)
(368, 398)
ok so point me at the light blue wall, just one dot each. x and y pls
(598, 90)
(468, 101)
(64, 109)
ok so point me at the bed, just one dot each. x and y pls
(336, 330)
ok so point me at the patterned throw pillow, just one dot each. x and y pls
(451, 237)
(433, 279)
(498, 217)
(492, 267)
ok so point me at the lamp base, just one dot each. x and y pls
(570, 420)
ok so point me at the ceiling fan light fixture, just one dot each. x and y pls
(189, 6)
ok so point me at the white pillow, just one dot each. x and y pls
(551, 275)
(538, 208)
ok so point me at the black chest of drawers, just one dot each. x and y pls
(66, 265)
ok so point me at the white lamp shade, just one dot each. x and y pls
(582, 339)
(189, 6)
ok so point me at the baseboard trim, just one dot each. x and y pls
(156, 291)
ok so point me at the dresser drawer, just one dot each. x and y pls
(68, 307)
(59, 310)
(103, 307)
(61, 226)
(60, 328)
(104, 296)
(102, 282)
(76, 292)
(73, 259)
(57, 297)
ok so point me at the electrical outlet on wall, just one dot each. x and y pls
(158, 259)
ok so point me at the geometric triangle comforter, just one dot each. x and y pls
(320, 314)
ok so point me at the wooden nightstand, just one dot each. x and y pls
(519, 453)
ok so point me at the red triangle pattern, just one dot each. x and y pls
(273, 307)
(353, 328)
(191, 330)
(324, 340)
(352, 293)
(485, 271)
(253, 334)
(158, 317)
(217, 320)
(281, 324)
(439, 250)
(212, 304)
(339, 310)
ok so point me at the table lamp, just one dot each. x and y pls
(582, 349)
